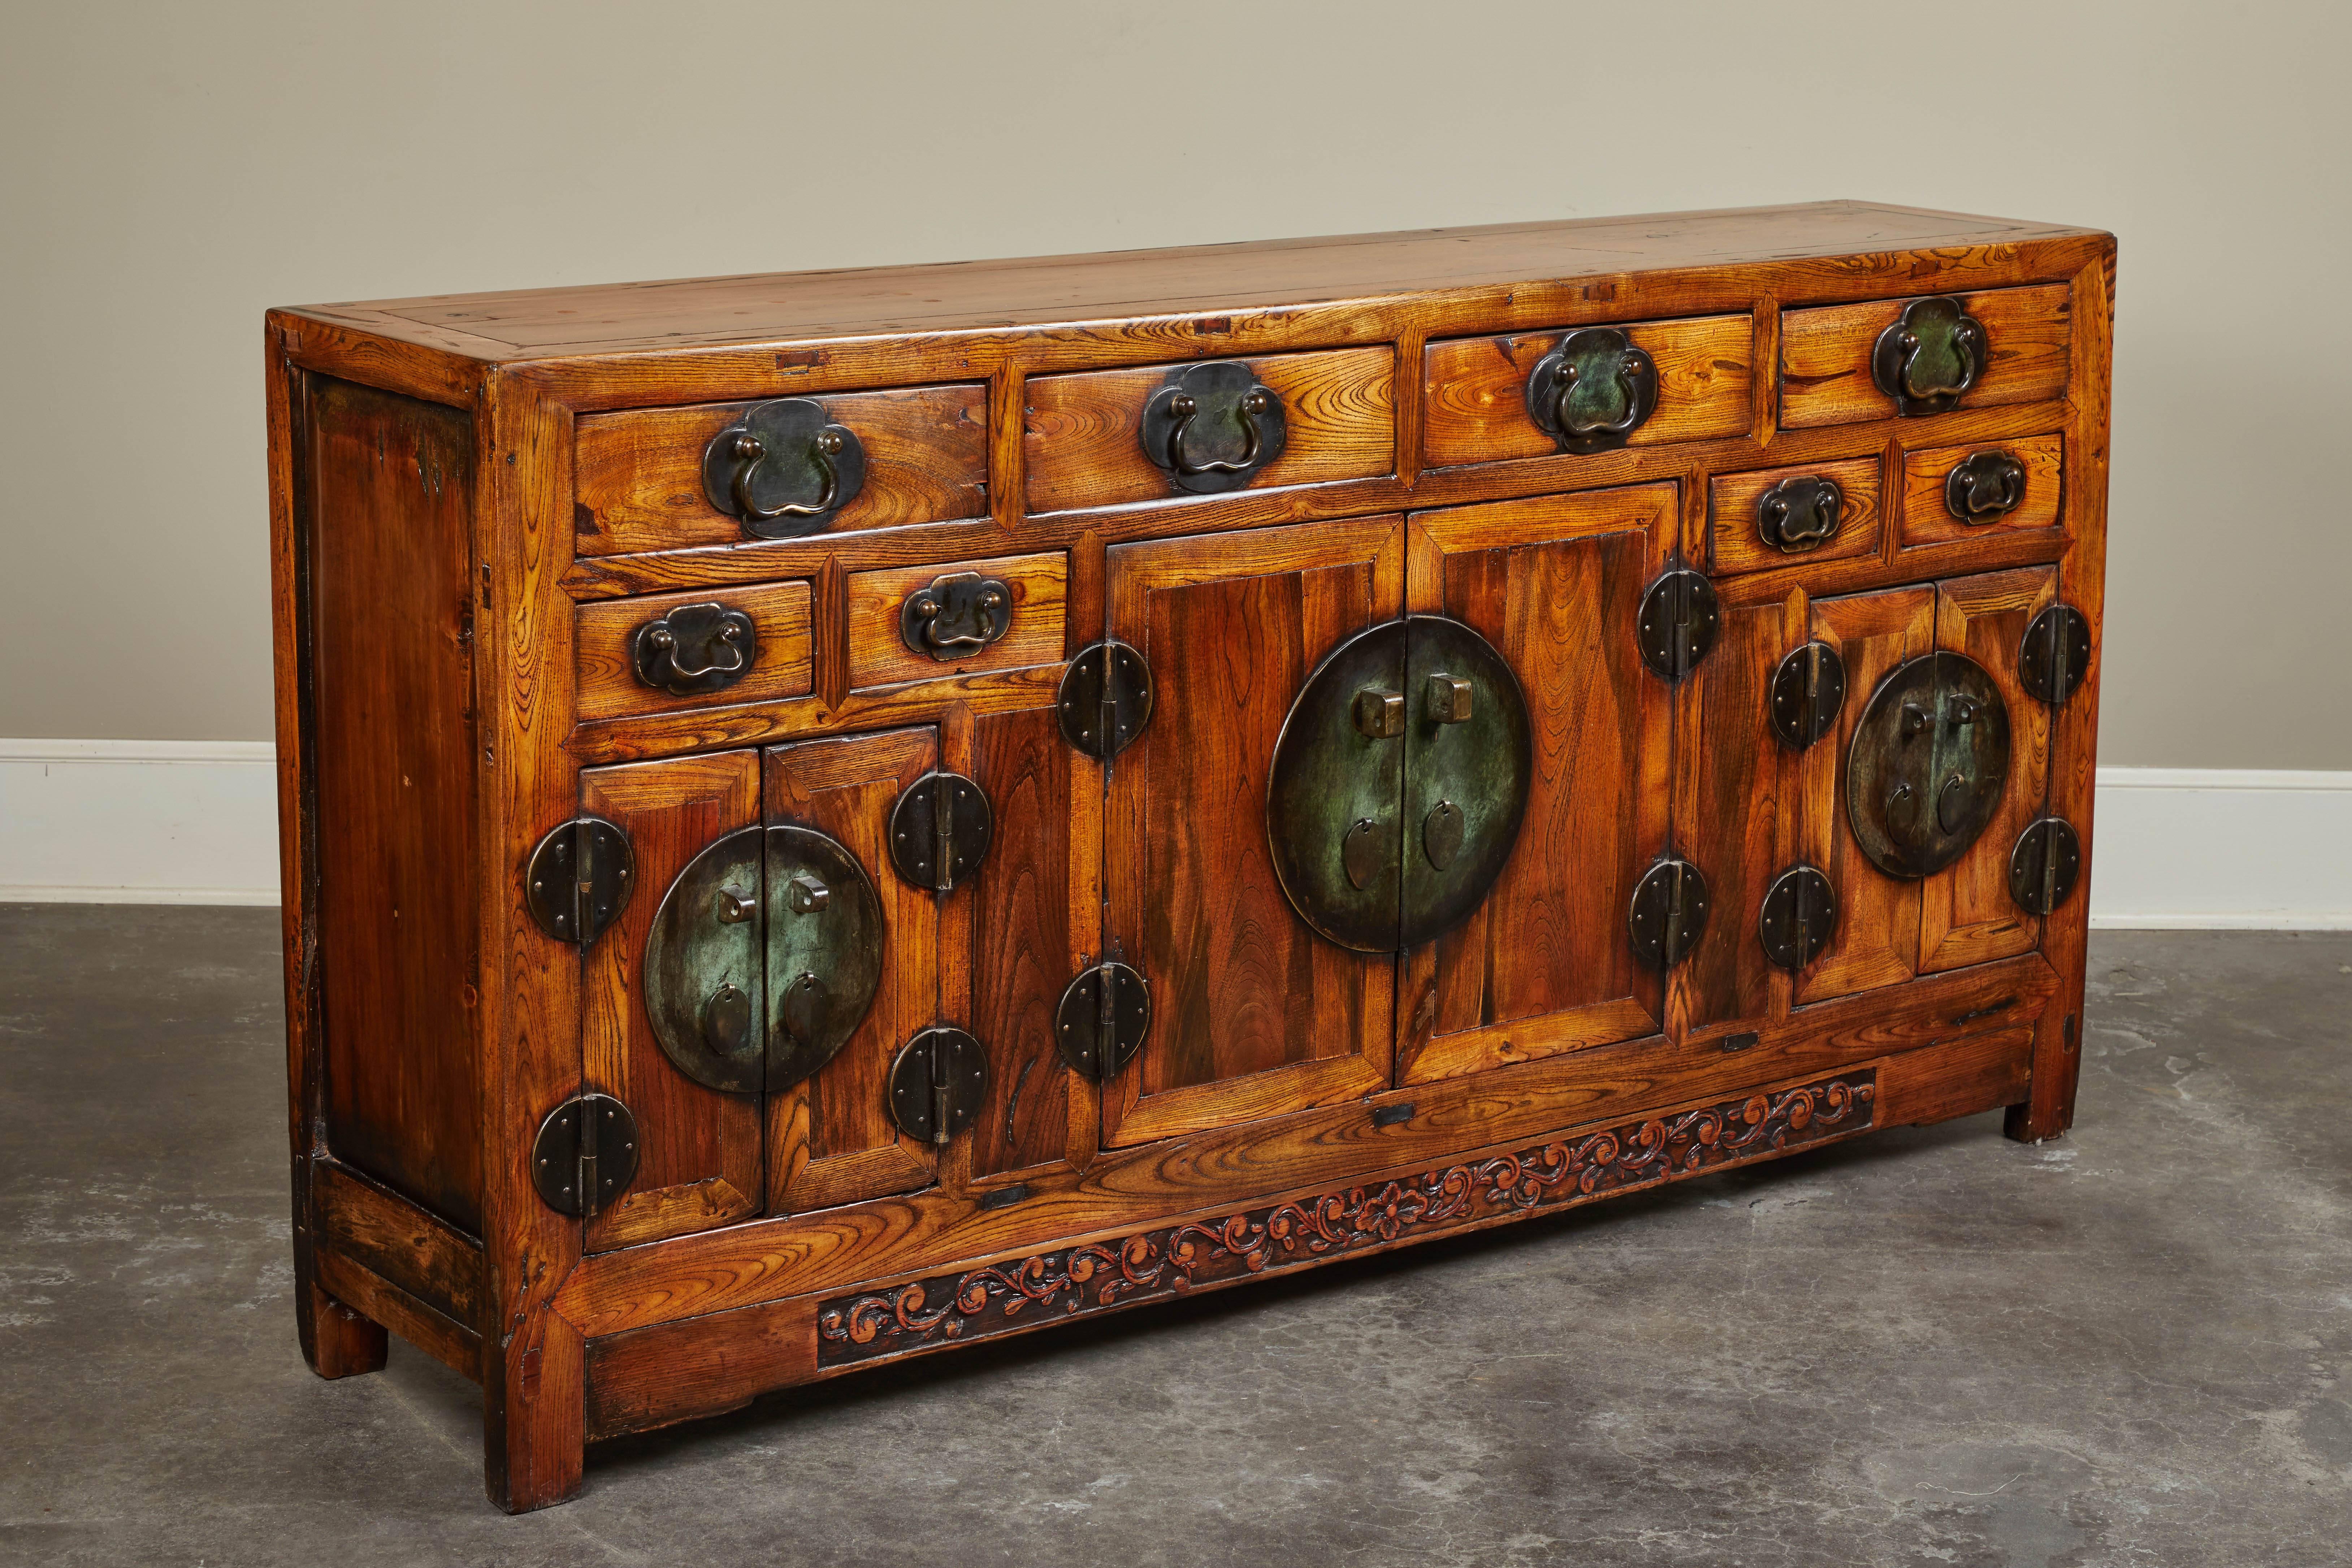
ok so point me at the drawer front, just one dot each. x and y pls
(2036, 465)
(1085, 434)
(880, 652)
(638, 474)
(606, 638)
(1476, 404)
(1737, 520)
(1826, 354)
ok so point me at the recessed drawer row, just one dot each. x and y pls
(716, 474)
(713, 647)
(1837, 511)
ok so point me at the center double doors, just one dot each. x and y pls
(1253, 1014)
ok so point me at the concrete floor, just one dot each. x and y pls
(1930, 1346)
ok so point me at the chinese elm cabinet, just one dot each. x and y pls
(830, 817)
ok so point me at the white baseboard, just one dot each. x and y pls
(138, 822)
(155, 822)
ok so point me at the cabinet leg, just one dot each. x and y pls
(336, 1340)
(2049, 1109)
(534, 1414)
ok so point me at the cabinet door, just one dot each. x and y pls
(1031, 919)
(1966, 913)
(1731, 784)
(1545, 964)
(1252, 1015)
(699, 1161)
(1876, 939)
(830, 1137)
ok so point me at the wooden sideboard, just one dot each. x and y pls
(828, 816)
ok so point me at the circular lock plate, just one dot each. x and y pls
(837, 937)
(1927, 765)
(695, 952)
(1799, 912)
(1385, 840)
(915, 851)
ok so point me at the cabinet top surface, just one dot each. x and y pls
(1036, 292)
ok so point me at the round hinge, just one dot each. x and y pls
(1808, 693)
(1105, 699)
(2044, 865)
(1798, 914)
(2055, 655)
(936, 1082)
(1668, 912)
(579, 879)
(940, 830)
(1099, 1039)
(1678, 622)
(586, 1155)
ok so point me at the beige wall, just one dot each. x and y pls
(170, 170)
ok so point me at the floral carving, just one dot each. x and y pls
(1176, 1259)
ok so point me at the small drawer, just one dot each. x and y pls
(1841, 497)
(1170, 432)
(883, 632)
(1826, 354)
(1475, 407)
(694, 666)
(2031, 470)
(638, 483)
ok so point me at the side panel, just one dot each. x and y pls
(697, 1149)
(830, 1137)
(1544, 964)
(389, 502)
(1253, 1014)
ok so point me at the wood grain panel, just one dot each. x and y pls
(391, 548)
(457, 1345)
(830, 1137)
(424, 1256)
(1965, 913)
(1731, 815)
(772, 1260)
(1544, 965)
(1734, 545)
(1252, 1015)
(1877, 940)
(878, 654)
(1475, 390)
(638, 479)
(1927, 518)
(1825, 377)
(603, 634)
(1081, 434)
(1025, 945)
(698, 1160)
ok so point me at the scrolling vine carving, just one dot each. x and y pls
(1177, 1258)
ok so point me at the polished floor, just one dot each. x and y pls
(1933, 1346)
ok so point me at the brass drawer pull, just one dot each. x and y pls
(957, 615)
(1212, 398)
(694, 649)
(1593, 391)
(1930, 357)
(1984, 486)
(780, 450)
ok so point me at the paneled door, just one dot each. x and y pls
(1253, 1014)
(1544, 964)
